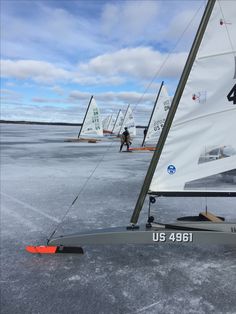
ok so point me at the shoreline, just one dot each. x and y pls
(49, 123)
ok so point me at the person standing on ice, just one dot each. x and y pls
(125, 139)
(144, 134)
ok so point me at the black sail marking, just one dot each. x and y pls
(234, 67)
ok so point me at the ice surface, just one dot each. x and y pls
(41, 175)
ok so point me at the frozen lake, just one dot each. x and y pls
(40, 177)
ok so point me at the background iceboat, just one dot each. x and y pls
(91, 130)
(128, 122)
(156, 121)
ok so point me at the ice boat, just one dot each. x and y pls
(193, 125)
(91, 130)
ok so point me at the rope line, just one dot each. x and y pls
(79, 193)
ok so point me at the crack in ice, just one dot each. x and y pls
(30, 207)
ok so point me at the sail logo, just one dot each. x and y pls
(158, 125)
(222, 22)
(171, 169)
(200, 97)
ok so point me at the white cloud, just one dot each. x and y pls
(49, 33)
(76, 95)
(9, 95)
(139, 63)
(135, 64)
(58, 90)
(130, 21)
(72, 108)
(93, 46)
(106, 99)
(48, 100)
(150, 22)
(38, 71)
(22, 111)
(185, 24)
(61, 33)
(92, 78)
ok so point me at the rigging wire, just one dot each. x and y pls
(79, 193)
(168, 56)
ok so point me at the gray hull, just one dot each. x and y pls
(180, 233)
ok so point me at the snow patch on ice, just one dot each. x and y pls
(74, 278)
(125, 293)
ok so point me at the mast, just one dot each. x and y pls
(109, 122)
(116, 120)
(123, 120)
(85, 116)
(158, 94)
(172, 111)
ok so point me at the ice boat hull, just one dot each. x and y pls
(184, 233)
(141, 149)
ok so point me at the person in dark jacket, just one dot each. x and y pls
(145, 133)
(125, 139)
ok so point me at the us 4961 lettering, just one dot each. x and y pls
(172, 237)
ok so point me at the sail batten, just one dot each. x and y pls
(205, 116)
(217, 55)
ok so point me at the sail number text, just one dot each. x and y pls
(158, 125)
(232, 95)
(172, 237)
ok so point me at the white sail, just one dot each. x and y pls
(129, 122)
(199, 154)
(105, 122)
(118, 123)
(111, 123)
(159, 115)
(92, 123)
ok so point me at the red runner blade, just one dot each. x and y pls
(43, 249)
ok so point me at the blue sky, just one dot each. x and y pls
(56, 54)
